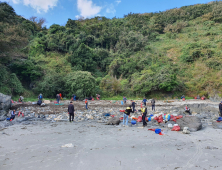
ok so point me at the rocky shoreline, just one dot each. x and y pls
(205, 111)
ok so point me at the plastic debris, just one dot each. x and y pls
(69, 145)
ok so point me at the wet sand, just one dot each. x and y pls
(102, 147)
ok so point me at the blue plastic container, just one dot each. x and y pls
(133, 122)
(157, 131)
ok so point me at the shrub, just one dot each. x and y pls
(81, 83)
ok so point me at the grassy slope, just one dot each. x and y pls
(197, 76)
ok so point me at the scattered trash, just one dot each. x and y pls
(170, 125)
(219, 119)
(185, 130)
(157, 131)
(69, 145)
(139, 119)
(159, 119)
(176, 128)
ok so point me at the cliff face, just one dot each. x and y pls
(5, 104)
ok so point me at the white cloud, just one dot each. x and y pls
(38, 5)
(111, 9)
(87, 8)
(118, 1)
(15, 1)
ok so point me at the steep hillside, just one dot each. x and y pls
(176, 51)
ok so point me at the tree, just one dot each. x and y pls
(81, 83)
(39, 22)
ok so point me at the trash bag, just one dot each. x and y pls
(146, 119)
(183, 99)
(176, 128)
(122, 110)
(167, 117)
(121, 102)
(157, 131)
(149, 119)
(219, 119)
(133, 122)
(160, 119)
(173, 118)
(139, 119)
(121, 118)
(107, 114)
(39, 102)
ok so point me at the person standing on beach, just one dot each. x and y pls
(126, 115)
(144, 101)
(86, 102)
(220, 108)
(153, 104)
(124, 99)
(71, 112)
(58, 98)
(144, 113)
(133, 105)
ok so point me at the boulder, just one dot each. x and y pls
(192, 122)
(113, 121)
(5, 104)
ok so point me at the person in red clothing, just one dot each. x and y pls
(60, 94)
(86, 102)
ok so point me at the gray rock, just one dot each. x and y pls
(217, 125)
(2, 118)
(5, 104)
(192, 122)
(113, 121)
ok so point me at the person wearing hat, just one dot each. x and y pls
(220, 108)
(144, 113)
(126, 115)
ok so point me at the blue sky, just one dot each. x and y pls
(58, 11)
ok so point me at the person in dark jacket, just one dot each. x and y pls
(144, 101)
(144, 113)
(220, 108)
(133, 105)
(71, 112)
(58, 98)
(153, 104)
(126, 115)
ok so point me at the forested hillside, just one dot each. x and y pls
(175, 51)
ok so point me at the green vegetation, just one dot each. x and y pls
(172, 52)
